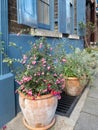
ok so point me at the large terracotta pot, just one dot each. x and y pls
(74, 86)
(39, 114)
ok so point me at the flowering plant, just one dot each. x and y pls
(37, 73)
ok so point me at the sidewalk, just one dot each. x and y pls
(88, 119)
(83, 117)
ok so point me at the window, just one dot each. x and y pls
(43, 13)
(40, 14)
(36, 13)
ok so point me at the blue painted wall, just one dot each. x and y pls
(23, 41)
(8, 100)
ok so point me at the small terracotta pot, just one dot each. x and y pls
(39, 113)
(74, 86)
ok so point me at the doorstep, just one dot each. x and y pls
(62, 122)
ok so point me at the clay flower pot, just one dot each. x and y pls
(39, 114)
(74, 86)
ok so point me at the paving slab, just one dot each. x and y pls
(93, 93)
(87, 122)
(91, 106)
(95, 83)
(17, 124)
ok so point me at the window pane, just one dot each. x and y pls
(40, 12)
(43, 11)
(46, 1)
(46, 14)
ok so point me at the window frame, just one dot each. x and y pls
(25, 16)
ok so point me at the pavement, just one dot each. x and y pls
(88, 119)
(83, 117)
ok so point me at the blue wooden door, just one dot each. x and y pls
(7, 93)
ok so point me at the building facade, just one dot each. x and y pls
(57, 20)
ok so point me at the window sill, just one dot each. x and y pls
(74, 36)
(41, 32)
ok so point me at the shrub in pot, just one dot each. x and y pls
(75, 75)
(79, 69)
(40, 85)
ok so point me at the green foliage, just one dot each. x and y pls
(81, 63)
(87, 28)
(37, 72)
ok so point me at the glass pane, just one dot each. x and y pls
(68, 15)
(46, 1)
(46, 14)
(43, 11)
(40, 11)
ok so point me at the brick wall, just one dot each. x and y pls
(56, 14)
(12, 18)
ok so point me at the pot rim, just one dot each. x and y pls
(36, 98)
(71, 77)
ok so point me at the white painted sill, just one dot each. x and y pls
(47, 33)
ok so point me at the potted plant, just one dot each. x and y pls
(40, 85)
(77, 72)
(79, 69)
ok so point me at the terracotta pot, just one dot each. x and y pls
(39, 113)
(74, 86)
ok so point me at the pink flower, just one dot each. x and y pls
(57, 81)
(51, 49)
(55, 75)
(42, 73)
(61, 75)
(48, 67)
(22, 87)
(40, 46)
(38, 73)
(44, 65)
(43, 60)
(49, 85)
(19, 82)
(63, 60)
(45, 80)
(24, 59)
(18, 34)
(44, 91)
(33, 62)
(16, 91)
(63, 86)
(25, 90)
(26, 79)
(30, 93)
(59, 96)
